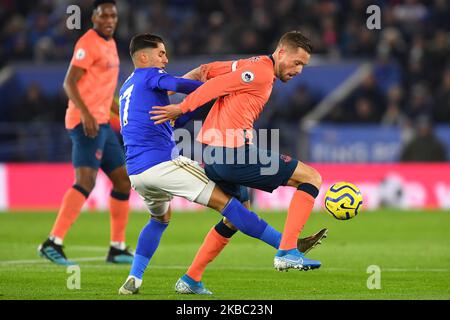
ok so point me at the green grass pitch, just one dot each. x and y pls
(411, 249)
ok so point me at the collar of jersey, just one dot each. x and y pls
(148, 68)
(101, 35)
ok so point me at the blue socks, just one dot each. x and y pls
(249, 223)
(147, 243)
(271, 236)
(243, 219)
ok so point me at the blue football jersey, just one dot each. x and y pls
(147, 144)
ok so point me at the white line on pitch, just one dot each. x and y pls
(89, 248)
(8, 262)
(93, 259)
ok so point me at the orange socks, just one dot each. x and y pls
(210, 249)
(72, 203)
(119, 207)
(298, 213)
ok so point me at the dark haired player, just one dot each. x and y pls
(242, 88)
(90, 84)
(157, 171)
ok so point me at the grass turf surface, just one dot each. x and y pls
(411, 249)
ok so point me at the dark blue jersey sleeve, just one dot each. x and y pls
(164, 81)
(185, 118)
(170, 83)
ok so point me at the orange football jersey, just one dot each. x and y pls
(242, 87)
(97, 86)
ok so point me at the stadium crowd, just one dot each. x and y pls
(410, 53)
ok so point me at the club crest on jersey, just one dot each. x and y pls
(285, 158)
(247, 76)
(99, 154)
(80, 54)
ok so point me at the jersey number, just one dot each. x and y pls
(126, 95)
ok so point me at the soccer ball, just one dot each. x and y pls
(343, 200)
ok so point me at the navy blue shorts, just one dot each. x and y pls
(234, 169)
(104, 151)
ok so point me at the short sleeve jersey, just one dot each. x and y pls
(97, 86)
(242, 89)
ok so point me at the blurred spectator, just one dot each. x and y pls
(394, 115)
(420, 102)
(367, 103)
(410, 12)
(439, 15)
(32, 107)
(297, 106)
(392, 44)
(365, 111)
(410, 55)
(438, 56)
(14, 39)
(425, 146)
(442, 109)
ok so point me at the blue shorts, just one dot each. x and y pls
(249, 167)
(104, 151)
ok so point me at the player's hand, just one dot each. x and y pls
(166, 113)
(90, 125)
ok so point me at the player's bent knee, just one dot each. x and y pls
(85, 178)
(206, 194)
(160, 211)
(86, 184)
(123, 186)
(316, 178)
(218, 199)
(164, 218)
(306, 174)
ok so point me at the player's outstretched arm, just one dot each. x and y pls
(221, 85)
(73, 75)
(217, 87)
(214, 88)
(195, 74)
(170, 83)
(211, 70)
(191, 75)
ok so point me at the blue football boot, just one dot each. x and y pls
(187, 285)
(293, 259)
